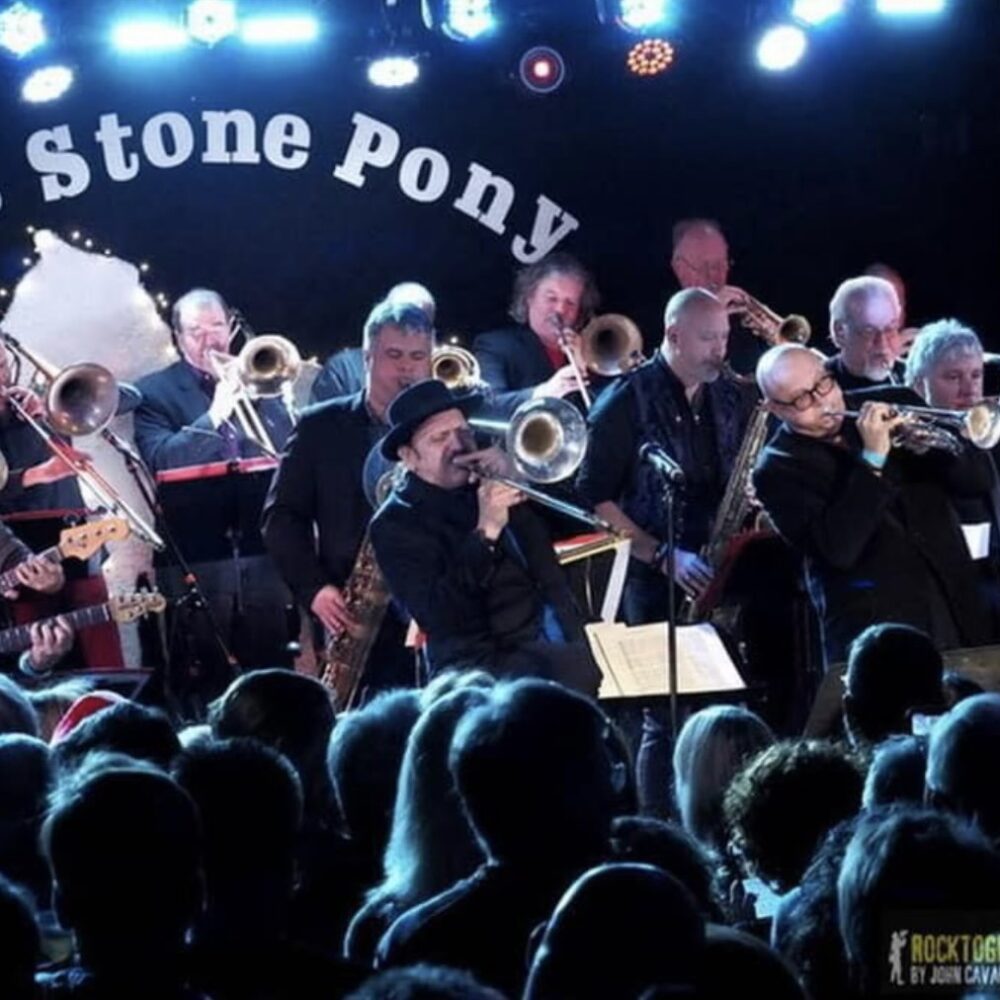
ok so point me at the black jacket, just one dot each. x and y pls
(877, 548)
(475, 605)
(512, 361)
(172, 428)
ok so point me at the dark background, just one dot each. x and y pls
(883, 144)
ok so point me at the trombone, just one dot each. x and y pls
(266, 367)
(563, 330)
(611, 345)
(80, 399)
(457, 367)
(546, 439)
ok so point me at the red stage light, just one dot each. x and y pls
(542, 70)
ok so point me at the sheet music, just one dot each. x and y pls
(634, 660)
(616, 582)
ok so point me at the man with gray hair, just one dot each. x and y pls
(317, 512)
(865, 327)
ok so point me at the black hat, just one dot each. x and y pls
(416, 404)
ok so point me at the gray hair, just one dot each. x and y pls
(197, 297)
(684, 226)
(686, 299)
(530, 277)
(855, 289)
(414, 294)
(934, 343)
(409, 318)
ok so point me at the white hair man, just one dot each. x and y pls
(865, 319)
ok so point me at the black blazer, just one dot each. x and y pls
(469, 603)
(874, 546)
(172, 428)
(512, 361)
(318, 485)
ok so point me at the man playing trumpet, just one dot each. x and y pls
(875, 524)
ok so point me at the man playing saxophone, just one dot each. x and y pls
(677, 401)
(317, 512)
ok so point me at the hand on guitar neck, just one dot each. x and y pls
(37, 573)
(50, 642)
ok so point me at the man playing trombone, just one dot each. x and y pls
(471, 563)
(874, 522)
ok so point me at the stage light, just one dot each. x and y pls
(22, 29)
(909, 8)
(541, 69)
(47, 84)
(209, 21)
(289, 30)
(465, 20)
(815, 12)
(650, 57)
(781, 47)
(393, 71)
(148, 36)
(642, 15)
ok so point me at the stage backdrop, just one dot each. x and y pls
(302, 193)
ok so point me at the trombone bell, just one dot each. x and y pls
(611, 344)
(82, 399)
(455, 366)
(267, 365)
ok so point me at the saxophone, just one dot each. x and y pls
(366, 596)
(734, 510)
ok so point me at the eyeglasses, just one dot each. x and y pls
(706, 266)
(806, 399)
(869, 333)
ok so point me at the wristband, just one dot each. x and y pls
(490, 543)
(874, 459)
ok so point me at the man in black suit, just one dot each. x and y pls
(526, 361)
(317, 511)
(865, 321)
(476, 571)
(880, 538)
(186, 417)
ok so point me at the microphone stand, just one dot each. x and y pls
(194, 596)
(669, 485)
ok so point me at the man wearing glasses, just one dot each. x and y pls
(865, 320)
(880, 539)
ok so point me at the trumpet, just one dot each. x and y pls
(764, 322)
(80, 399)
(611, 345)
(266, 367)
(933, 427)
(455, 366)
(546, 440)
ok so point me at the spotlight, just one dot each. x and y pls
(22, 29)
(289, 30)
(393, 71)
(650, 57)
(909, 8)
(209, 21)
(642, 15)
(465, 20)
(780, 48)
(815, 12)
(148, 36)
(542, 70)
(47, 84)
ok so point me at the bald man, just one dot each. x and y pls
(880, 539)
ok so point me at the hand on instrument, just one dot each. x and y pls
(495, 501)
(876, 423)
(691, 573)
(330, 608)
(50, 641)
(733, 298)
(562, 383)
(28, 399)
(492, 461)
(53, 469)
(38, 574)
(224, 401)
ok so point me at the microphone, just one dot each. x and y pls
(658, 458)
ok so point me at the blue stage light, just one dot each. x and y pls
(148, 36)
(393, 71)
(909, 8)
(291, 29)
(47, 84)
(466, 20)
(781, 47)
(22, 29)
(815, 12)
(643, 15)
(209, 21)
